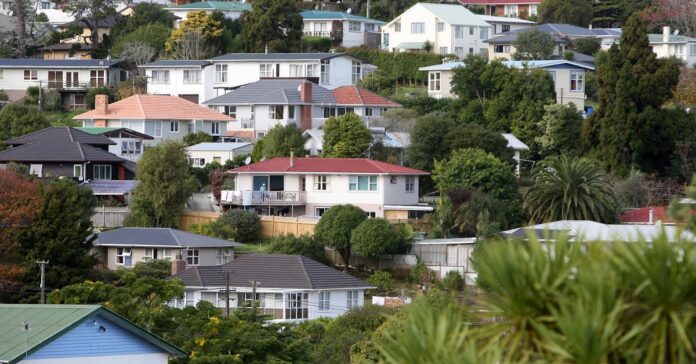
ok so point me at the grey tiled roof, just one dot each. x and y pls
(276, 56)
(177, 63)
(57, 152)
(277, 91)
(61, 134)
(557, 31)
(271, 271)
(59, 63)
(159, 237)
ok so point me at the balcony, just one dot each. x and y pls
(73, 86)
(266, 198)
(333, 34)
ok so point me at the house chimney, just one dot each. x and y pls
(292, 158)
(651, 216)
(306, 91)
(665, 34)
(101, 104)
(178, 265)
(306, 110)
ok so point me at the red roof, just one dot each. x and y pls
(351, 95)
(326, 165)
(642, 215)
(158, 107)
(499, 2)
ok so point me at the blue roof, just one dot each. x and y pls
(442, 66)
(174, 63)
(60, 63)
(558, 31)
(335, 15)
(547, 64)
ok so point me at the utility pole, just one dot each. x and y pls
(253, 292)
(227, 292)
(42, 265)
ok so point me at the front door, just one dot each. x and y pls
(55, 79)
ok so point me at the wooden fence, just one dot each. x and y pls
(189, 218)
(109, 217)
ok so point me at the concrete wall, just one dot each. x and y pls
(177, 87)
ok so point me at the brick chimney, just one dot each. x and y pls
(178, 264)
(306, 110)
(101, 104)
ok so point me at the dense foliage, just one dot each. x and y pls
(376, 237)
(245, 224)
(336, 226)
(534, 44)
(17, 120)
(346, 136)
(275, 25)
(281, 140)
(576, 12)
(305, 245)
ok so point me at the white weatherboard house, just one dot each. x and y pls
(191, 80)
(127, 246)
(310, 186)
(504, 24)
(130, 144)
(668, 44)
(204, 153)
(568, 78)
(449, 29)
(230, 9)
(352, 30)
(289, 288)
(314, 140)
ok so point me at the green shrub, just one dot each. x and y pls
(316, 44)
(101, 90)
(216, 229)
(383, 280)
(453, 281)
(246, 224)
(304, 245)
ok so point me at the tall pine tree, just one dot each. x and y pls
(629, 127)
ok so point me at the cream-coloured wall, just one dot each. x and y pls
(445, 85)
(563, 93)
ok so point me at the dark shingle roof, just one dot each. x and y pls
(61, 63)
(159, 237)
(57, 152)
(239, 57)
(64, 134)
(278, 91)
(177, 63)
(271, 271)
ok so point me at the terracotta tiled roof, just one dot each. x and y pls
(327, 165)
(242, 134)
(145, 107)
(351, 95)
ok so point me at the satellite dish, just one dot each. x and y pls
(348, 11)
(247, 160)
(676, 32)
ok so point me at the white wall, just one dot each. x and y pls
(222, 155)
(157, 358)
(146, 127)
(338, 301)
(13, 78)
(176, 86)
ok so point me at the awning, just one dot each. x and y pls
(411, 45)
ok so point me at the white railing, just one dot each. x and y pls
(265, 198)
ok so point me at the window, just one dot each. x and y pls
(192, 76)
(149, 253)
(368, 111)
(483, 34)
(370, 214)
(324, 301)
(131, 147)
(440, 26)
(96, 78)
(224, 255)
(505, 28)
(443, 50)
(392, 180)
(410, 183)
(247, 299)
(275, 112)
(533, 9)
(369, 27)
(318, 211)
(230, 110)
(362, 183)
(352, 299)
(296, 306)
(692, 52)
(153, 128)
(471, 51)
(321, 183)
(123, 256)
(459, 52)
(337, 111)
(174, 126)
(312, 70)
(2, 74)
(325, 68)
(160, 77)
(220, 73)
(192, 257)
(166, 254)
(297, 70)
(501, 49)
(397, 27)
(472, 30)
(417, 28)
(434, 81)
(215, 128)
(483, 52)
(354, 26)
(291, 112)
(459, 31)
(577, 81)
(77, 171)
(266, 70)
(198, 162)
(511, 10)
(101, 171)
(30, 75)
(357, 71)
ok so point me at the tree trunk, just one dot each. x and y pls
(21, 28)
(345, 255)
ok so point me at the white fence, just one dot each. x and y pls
(109, 217)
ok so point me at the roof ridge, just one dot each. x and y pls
(79, 148)
(140, 106)
(304, 270)
(70, 135)
(176, 238)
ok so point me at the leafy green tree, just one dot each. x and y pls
(427, 140)
(281, 140)
(165, 185)
(534, 44)
(480, 215)
(257, 151)
(94, 10)
(346, 136)
(215, 228)
(383, 280)
(587, 45)
(476, 136)
(376, 237)
(194, 37)
(305, 245)
(155, 35)
(570, 189)
(60, 234)
(453, 281)
(629, 127)
(576, 12)
(17, 120)
(144, 14)
(479, 79)
(197, 138)
(685, 213)
(335, 227)
(276, 24)
(246, 224)
(560, 130)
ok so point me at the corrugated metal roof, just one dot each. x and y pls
(272, 271)
(658, 38)
(164, 237)
(169, 63)
(276, 91)
(214, 5)
(547, 63)
(443, 66)
(514, 143)
(454, 14)
(57, 63)
(335, 15)
(595, 231)
(242, 57)
(410, 45)
(504, 19)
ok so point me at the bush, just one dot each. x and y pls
(375, 237)
(383, 280)
(246, 224)
(196, 138)
(201, 176)
(215, 229)
(304, 245)
(101, 90)
(419, 273)
(316, 44)
(453, 281)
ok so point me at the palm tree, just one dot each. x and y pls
(570, 189)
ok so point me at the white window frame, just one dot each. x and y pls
(356, 71)
(352, 26)
(160, 77)
(352, 299)
(220, 73)
(443, 50)
(434, 81)
(368, 111)
(324, 301)
(266, 70)
(192, 257)
(410, 185)
(501, 48)
(173, 126)
(440, 26)
(275, 112)
(577, 81)
(192, 77)
(102, 172)
(354, 183)
(214, 128)
(533, 9)
(76, 174)
(459, 52)
(511, 10)
(121, 254)
(458, 32)
(295, 306)
(33, 75)
(325, 74)
(321, 183)
(397, 27)
(131, 147)
(418, 28)
(149, 253)
(223, 255)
